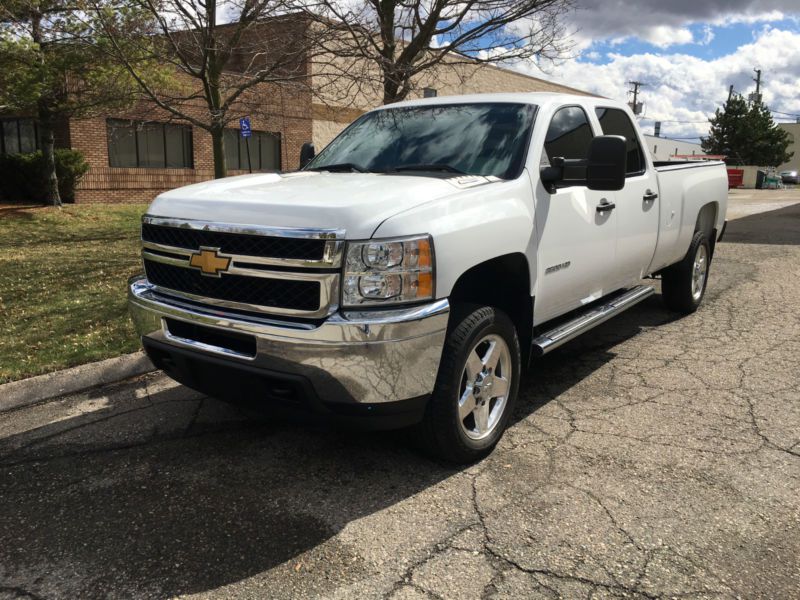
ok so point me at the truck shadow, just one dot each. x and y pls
(781, 226)
(178, 495)
(553, 374)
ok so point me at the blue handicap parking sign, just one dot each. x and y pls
(244, 127)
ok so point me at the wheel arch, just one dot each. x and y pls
(706, 222)
(502, 282)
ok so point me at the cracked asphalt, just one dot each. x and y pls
(656, 457)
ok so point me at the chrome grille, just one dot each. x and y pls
(236, 243)
(272, 270)
(258, 291)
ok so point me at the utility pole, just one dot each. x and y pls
(756, 97)
(730, 93)
(635, 105)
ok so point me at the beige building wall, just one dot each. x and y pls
(334, 107)
(794, 135)
(662, 148)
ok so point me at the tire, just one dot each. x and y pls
(683, 285)
(449, 430)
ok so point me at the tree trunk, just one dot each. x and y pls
(47, 143)
(218, 145)
(46, 125)
(391, 88)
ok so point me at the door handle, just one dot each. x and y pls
(605, 205)
(649, 196)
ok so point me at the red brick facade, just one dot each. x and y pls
(285, 110)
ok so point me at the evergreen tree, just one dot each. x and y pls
(747, 135)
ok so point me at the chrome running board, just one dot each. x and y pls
(596, 315)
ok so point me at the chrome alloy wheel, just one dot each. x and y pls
(699, 272)
(485, 384)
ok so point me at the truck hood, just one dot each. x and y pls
(355, 202)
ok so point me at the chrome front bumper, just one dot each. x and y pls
(363, 357)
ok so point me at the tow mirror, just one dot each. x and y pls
(603, 169)
(607, 163)
(307, 152)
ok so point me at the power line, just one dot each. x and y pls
(777, 112)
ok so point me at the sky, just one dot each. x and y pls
(687, 52)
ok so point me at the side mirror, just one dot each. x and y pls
(307, 152)
(606, 163)
(552, 174)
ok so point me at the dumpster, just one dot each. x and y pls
(735, 178)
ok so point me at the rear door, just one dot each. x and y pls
(638, 205)
(576, 252)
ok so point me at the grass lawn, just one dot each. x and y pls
(62, 285)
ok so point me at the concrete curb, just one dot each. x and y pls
(51, 385)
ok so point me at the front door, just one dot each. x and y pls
(638, 206)
(576, 259)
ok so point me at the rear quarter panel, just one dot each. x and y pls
(684, 190)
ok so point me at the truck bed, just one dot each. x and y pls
(685, 186)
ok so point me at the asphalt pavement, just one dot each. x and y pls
(657, 456)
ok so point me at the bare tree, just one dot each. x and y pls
(219, 50)
(406, 39)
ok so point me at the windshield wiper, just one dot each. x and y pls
(340, 167)
(427, 167)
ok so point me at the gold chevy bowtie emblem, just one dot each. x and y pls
(209, 261)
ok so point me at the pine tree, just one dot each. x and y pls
(747, 135)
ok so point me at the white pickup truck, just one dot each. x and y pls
(406, 275)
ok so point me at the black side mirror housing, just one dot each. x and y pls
(552, 174)
(307, 152)
(607, 163)
(605, 166)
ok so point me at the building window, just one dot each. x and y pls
(133, 144)
(265, 151)
(616, 122)
(18, 136)
(429, 93)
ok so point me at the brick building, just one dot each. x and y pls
(137, 154)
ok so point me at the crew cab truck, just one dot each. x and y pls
(406, 275)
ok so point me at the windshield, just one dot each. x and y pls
(476, 139)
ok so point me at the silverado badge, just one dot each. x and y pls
(210, 261)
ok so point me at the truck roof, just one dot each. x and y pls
(538, 98)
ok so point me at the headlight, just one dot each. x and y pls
(388, 271)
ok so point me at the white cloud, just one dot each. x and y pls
(682, 87)
(664, 36)
(623, 19)
(708, 36)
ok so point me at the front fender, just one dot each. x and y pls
(471, 227)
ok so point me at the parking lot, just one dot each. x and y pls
(655, 457)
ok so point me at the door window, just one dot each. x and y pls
(569, 136)
(616, 122)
